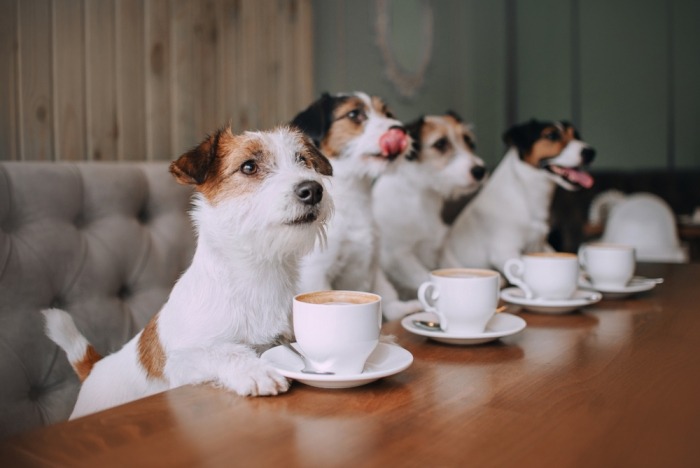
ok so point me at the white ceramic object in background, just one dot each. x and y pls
(500, 326)
(608, 265)
(547, 275)
(580, 298)
(465, 299)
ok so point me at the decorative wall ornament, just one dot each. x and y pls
(407, 82)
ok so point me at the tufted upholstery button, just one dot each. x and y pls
(124, 292)
(143, 215)
(79, 221)
(58, 303)
(34, 393)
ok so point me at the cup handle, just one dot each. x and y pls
(514, 269)
(581, 257)
(583, 274)
(427, 295)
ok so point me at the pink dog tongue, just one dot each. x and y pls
(584, 179)
(393, 142)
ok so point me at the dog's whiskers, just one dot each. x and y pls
(322, 236)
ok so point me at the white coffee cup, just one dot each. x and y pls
(544, 275)
(337, 330)
(608, 265)
(464, 299)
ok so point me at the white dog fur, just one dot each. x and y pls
(361, 139)
(408, 201)
(510, 215)
(259, 206)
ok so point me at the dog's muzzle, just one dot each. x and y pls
(573, 175)
(309, 192)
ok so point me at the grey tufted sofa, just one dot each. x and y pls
(104, 241)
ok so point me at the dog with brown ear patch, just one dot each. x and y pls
(260, 204)
(510, 215)
(408, 202)
(363, 140)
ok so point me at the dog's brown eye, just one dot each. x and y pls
(356, 115)
(469, 142)
(249, 167)
(441, 145)
(301, 159)
(553, 136)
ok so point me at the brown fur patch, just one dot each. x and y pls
(380, 106)
(441, 136)
(218, 165)
(229, 180)
(344, 128)
(215, 165)
(85, 365)
(151, 352)
(545, 148)
(313, 158)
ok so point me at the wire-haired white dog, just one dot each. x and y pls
(361, 138)
(260, 204)
(408, 202)
(510, 215)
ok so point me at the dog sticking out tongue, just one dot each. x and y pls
(577, 176)
(393, 142)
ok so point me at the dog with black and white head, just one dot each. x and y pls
(260, 204)
(510, 215)
(363, 140)
(408, 202)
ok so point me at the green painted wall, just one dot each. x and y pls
(627, 72)
(468, 36)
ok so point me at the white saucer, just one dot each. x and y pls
(581, 298)
(500, 325)
(384, 361)
(636, 285)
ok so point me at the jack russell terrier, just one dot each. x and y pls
(259, 206)
(510, 215)
(408, 202)
(361, 138)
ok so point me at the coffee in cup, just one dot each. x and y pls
(464, 299)
(337, 330)
(608, 265)
(544, 275)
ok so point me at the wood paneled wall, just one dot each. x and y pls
(146, 79)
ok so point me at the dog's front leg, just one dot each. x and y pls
(235, 367)
(407, 271)
(392, 307)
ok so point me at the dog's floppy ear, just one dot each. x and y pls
(193, 167)
(523, 136)
(569, 127)
(318, 159)
(414, 131)
(316, 119)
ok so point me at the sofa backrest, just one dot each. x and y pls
(104, 241)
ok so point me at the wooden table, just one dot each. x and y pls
(616, 385)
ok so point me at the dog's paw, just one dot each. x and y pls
(256, 379)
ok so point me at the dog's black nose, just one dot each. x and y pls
(309, 192)
(478, 172)
(587, 154)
